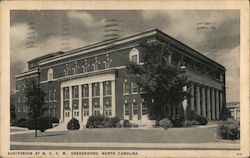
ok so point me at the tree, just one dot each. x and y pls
(35, 101)
(162, 81)
(12, 108)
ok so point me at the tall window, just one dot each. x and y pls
(85, 91)
(75, 92)
(95, 65)
(134, 88)
(134, 55)
(96, 112)
(50, 74)
(144, 107)
(66, 70)
(54, 95)
(50, 96)
(96, 90)
(125, 87)
(84, 68)
(65, 93)
(107, 88)
(135, 108)
(126, 108)
(107, 62)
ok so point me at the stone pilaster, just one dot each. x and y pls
(70, 102)
(62, 106)
(90, 100)
(113, 97)
(101, 97)
(80, 102)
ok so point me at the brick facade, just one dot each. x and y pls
(106, 63)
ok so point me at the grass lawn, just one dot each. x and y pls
(126, 135)
(17, 130)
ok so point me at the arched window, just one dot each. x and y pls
(50, 74)
(134, 55)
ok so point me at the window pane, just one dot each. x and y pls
(135, 108)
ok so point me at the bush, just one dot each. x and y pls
(42, 124)
(178, 122)
(73, 124)
(101, 121)
(201, 120)
(225, 114)
(114, 121)
(165, 123)
(126, 124)
(119, 125)
(229, 129)
(22, 122)
(96, 121)
(54, 120)
(192, 115)
(14, 122)
(189, 123)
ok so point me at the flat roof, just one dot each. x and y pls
(119, 41)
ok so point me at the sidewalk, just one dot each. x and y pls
(175, 146)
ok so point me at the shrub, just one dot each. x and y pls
(119, 125)
(178, 122)
(31, 124)
(229, 129)
(96, 121)
(165, 123)
(54, 120)
(201, 120)
(14, 122)
(126, 124)
(189, 123)
(192, 115)
(225, 114)
(135, 125)
(22, 122)
(73, 124)
(101, 121)
(114, 121)
(42, 124)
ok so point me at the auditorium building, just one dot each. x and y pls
(93, 80)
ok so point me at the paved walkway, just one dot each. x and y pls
(180, 146)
